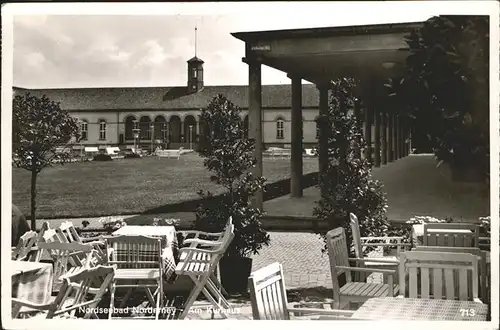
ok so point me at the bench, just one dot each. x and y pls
(169, 153)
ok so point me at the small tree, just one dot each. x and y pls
(39, 126)
(347, 182)
(229, 155)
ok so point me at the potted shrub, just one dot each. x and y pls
(229, 156)
(347, 184)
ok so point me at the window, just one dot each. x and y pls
(102, 130)
(280, 128)
(84, 130)
(195, 73)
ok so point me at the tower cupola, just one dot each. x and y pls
(195, 69)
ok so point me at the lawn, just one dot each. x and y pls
(125, 186)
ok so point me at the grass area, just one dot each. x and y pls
(125, 186)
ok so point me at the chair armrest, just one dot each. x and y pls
(338, 312)
(367, 270)
(197, 233)
(90, 240)
(192, 249)
(201, 242)
(30, 304)
(382, 261)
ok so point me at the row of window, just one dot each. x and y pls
(280, 130)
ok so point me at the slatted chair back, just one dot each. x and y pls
(68, 230)
(25, 245)
(356, 235)
(133, 252)
(74, 293)
(268, 293)
(451, 234)
(339, 256)
(439, 273)
(483, 293)
(67, 256)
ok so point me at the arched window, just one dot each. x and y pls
(102, 130)
(280, 128)
(84, 130)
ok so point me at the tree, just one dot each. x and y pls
(229, 155)
(347, 182)
(445, 87)
(39, 126)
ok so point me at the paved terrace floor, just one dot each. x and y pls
(414, 186)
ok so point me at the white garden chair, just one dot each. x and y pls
(353, 291)
(26, 244)
(200, 264)
(443, 275)
(451, 234)
(139, 266)
(269, 300)
(482, 266)
(361, 243)
(67, 232)
(68, 258)
(73, 294)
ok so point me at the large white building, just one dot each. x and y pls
(171, 114)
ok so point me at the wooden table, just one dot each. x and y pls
(31, 281)
(421, 309)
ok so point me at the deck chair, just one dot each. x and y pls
(200, 264)
(361, 243)
(353, 291)
(443, 275)
(482, 267)
(25, 246)
(269, 301)
(68, 258)
(74, 294)
(139, 266)
(451, 234)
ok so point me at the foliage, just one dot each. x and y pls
(347, 181)
(445, 87)
(165, 222)
(39, 127)
(229, 155)
(112, 222)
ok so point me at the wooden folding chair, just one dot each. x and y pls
(269, 300)
(67, 232)
(68, 258)
(208, 241)
(353, 291)
(451, 234)
(443, 275)
(199, 265)
(25, 246)
(74, 293)
(139, 265)
(482, 266)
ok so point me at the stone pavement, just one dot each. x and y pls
(414, 186)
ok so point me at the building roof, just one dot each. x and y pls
(169, 98)
(328, 31)
(196, 59)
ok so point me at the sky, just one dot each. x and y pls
(96, 45)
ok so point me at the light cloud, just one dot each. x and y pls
(152, 50)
